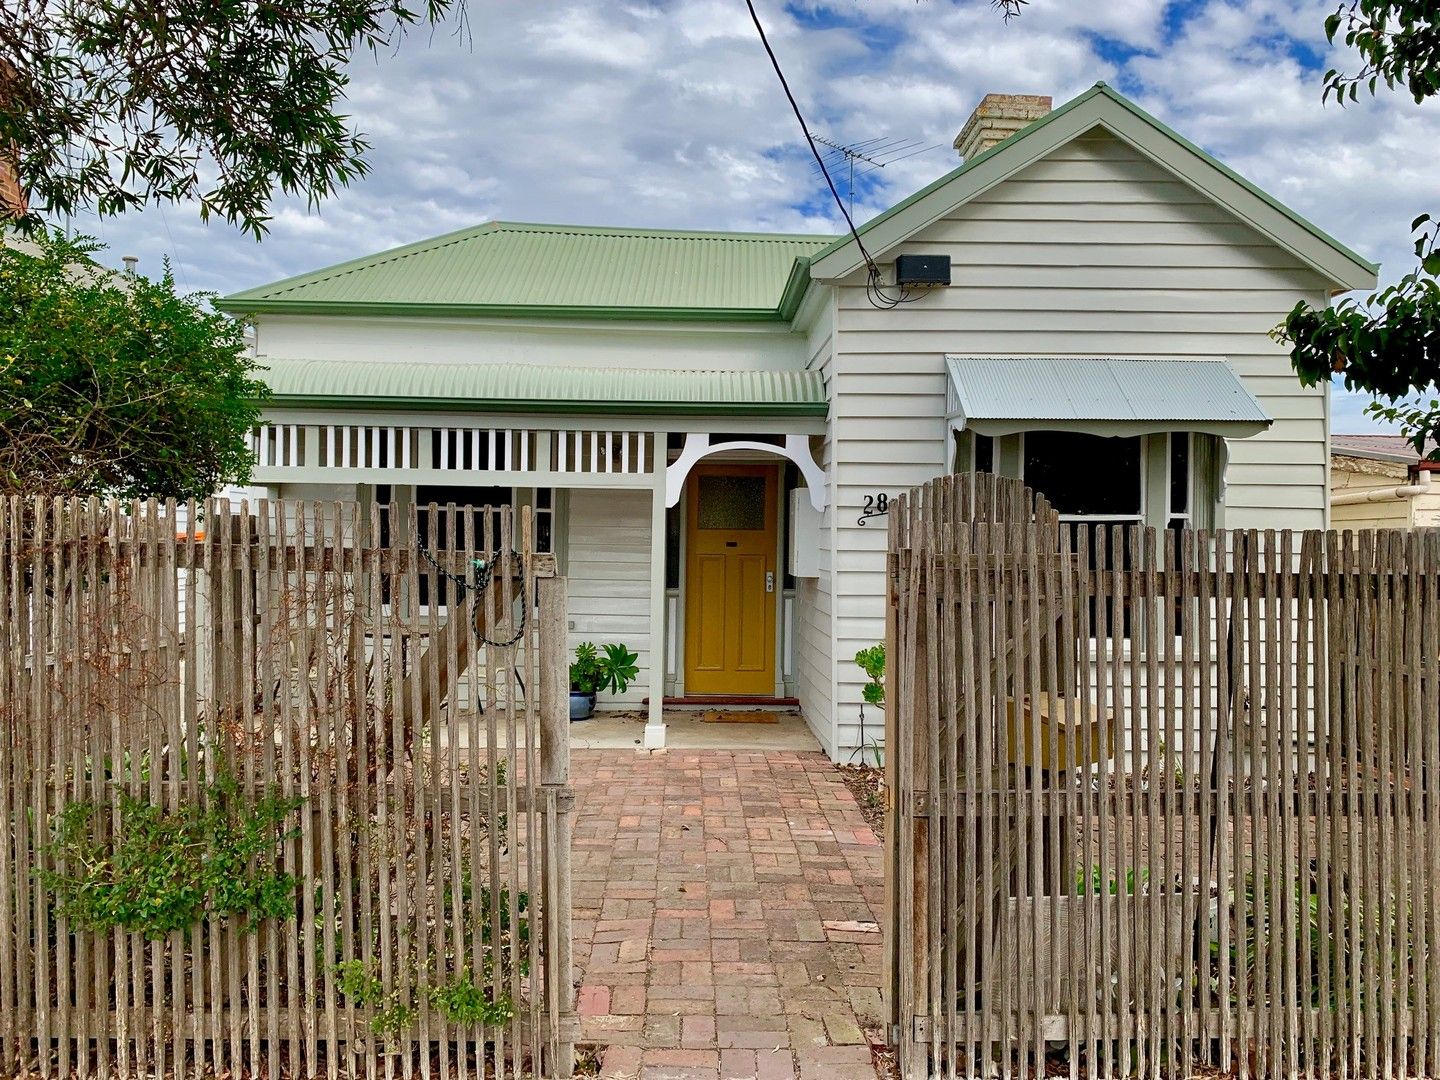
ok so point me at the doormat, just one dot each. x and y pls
(752, 716)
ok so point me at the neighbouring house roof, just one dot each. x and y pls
(507, 268)
(1003, 395)
(1394, 448)
(1102, 107)
(482, 387)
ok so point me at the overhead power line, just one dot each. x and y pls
(874, 287)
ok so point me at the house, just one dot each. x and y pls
(710, 425)
(1380, 482)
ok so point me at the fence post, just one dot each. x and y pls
(555, 776)
(890, 960)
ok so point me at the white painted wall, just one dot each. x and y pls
(607, 564)
(567, 343)
(1348, 474)
(1093, 251)
(814, 638)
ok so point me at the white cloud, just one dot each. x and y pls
(667, 113)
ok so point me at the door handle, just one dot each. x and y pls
(769, 580)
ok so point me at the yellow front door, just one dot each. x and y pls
(730, 579)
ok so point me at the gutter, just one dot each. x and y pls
(1385, 494)
(548, 405)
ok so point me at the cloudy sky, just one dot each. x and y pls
(667, 114)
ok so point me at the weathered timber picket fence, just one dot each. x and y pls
(403, 707)
(1163, 803)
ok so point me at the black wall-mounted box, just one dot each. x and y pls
(922, 269)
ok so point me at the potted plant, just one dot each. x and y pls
(592, 670)
(584, 680)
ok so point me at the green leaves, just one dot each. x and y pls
(114, 384)
(1398, 44)
(614, 671)
(459, 999)
(585, 669)
(618, 668)
(872, 662)
(1387, 345)
(118, 103)
(157, 870)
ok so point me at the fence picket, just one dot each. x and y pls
(1159, 798)
(173, 663)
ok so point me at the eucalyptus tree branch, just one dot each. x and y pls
(112, 104)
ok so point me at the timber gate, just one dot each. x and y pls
(283, 792)
(1161, 802)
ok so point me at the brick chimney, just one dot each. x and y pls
(996, 118)
(12, 196)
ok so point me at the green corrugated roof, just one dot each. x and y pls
(478, 387)
(510, 268)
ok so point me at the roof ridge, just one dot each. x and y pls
(662, 233)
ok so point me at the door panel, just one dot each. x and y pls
(732, 517)
(709, 635)
(751, 654)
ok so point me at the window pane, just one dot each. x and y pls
(961, 459)
(673, 521)
(450, 534)
(732, 502)
(984, 454)
(1084, 474)
(1179, 472)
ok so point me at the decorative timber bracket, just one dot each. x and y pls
(698, 446)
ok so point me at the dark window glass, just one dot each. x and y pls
(792, 481)
(1106, 545)
(448, 533)
(984, 454)
(1084, 474)
(674, 521)
(1180, 472)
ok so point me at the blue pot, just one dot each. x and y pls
(582, 706)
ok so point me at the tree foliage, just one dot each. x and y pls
(114, 384)
(159, 871)
(110, 104)
(1387, 344)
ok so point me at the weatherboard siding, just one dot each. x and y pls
(1092, 251)
(571, 343)
(607, 567)
(814, 639)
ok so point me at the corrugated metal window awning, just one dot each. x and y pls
(493, 387)
(1102, 396)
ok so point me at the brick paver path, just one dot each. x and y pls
(724, 911)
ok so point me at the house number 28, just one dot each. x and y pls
(876, 505)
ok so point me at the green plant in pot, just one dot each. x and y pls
(611, 668)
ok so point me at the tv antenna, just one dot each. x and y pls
(867, 156)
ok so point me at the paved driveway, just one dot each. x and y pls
(725, 904)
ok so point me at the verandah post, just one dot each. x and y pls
(655, 718)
